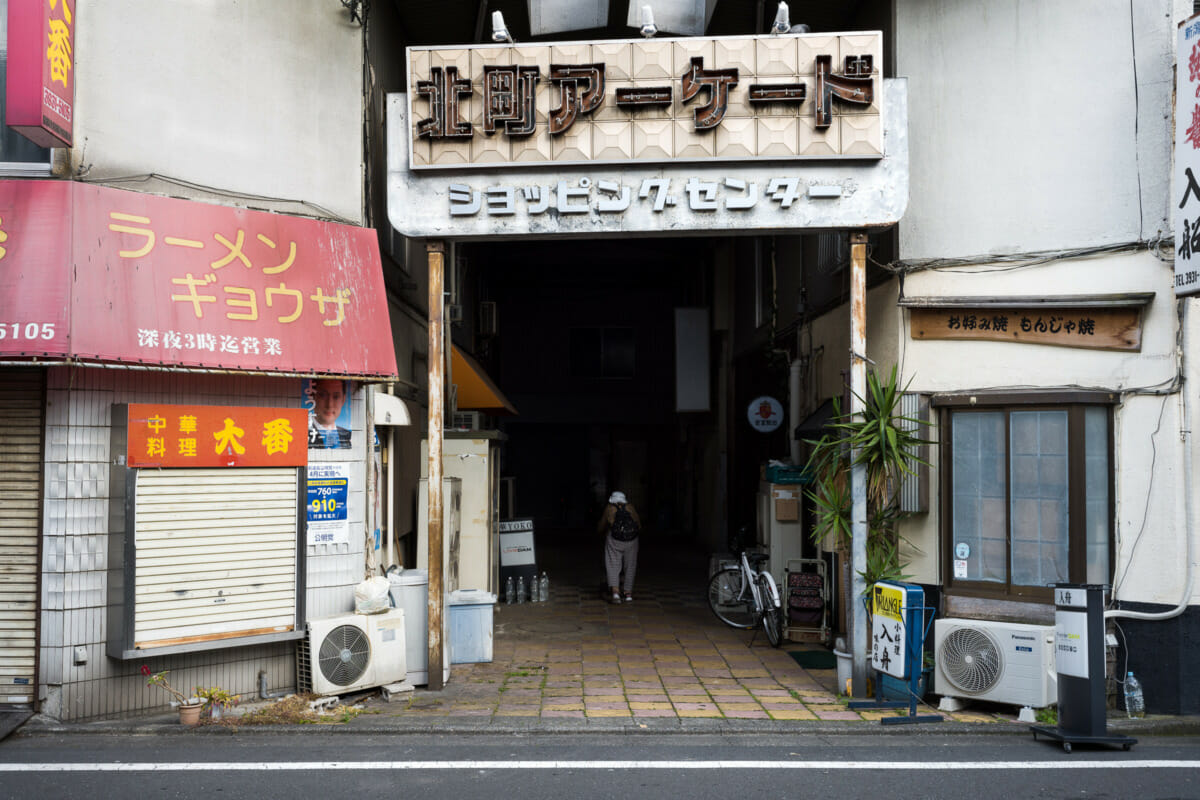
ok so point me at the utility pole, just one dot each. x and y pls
(860, 635)
(437, 373)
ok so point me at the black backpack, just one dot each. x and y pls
(624, 527)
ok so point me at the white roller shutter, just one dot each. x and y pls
(20, 498)
(215, 554)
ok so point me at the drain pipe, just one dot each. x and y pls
(794, 411)
(1185, 435)
(263, 694)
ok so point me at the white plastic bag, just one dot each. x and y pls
(371, 596)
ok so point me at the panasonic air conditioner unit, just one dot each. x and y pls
(351, 652)
(1001, 662)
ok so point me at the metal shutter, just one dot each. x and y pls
(215, 554)
(20, 499)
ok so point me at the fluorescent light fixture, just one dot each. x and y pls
(499, 30)
(649, 29)
(782, 23)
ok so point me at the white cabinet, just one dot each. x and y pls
(779, 528)
(473, 458)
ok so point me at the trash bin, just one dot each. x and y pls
(410, 591)
(470, 612)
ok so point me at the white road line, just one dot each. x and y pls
(317, 766)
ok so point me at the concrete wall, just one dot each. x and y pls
(74, 545)
(240, 103)
(1045, 126)
(1037, 124)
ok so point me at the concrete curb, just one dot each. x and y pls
(374, 725)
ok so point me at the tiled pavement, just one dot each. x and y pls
(663, 656)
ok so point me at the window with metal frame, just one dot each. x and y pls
(1026, 494)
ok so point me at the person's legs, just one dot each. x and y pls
(612, 565)
(631, 556)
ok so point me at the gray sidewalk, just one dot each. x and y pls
(661, 663)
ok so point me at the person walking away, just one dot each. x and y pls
(621, 525)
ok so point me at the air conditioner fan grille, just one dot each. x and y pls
(345, 654)
(970, 659)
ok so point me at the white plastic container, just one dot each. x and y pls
(410, 590)
(470, 613)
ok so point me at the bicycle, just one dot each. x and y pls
(743, 597)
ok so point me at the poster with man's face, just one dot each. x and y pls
(327, 401)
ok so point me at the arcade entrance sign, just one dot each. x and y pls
(663, 136)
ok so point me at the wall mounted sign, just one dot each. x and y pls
(327, 503)
(40, 80)
(1099, 328)
(161, 435)
(102, 274)
(765, 414)
(647, 101)
(596, 200)
(1186, 208)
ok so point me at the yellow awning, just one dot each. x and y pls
(476, 391)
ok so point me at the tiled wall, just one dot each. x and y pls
(75, 558)
(612, 134)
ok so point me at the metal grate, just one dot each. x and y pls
(970, 659)
(344, 655)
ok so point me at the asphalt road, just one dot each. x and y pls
(623, 765)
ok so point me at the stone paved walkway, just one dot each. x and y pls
(664, 655)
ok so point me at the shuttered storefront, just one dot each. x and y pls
(21, 395)
(216, 554)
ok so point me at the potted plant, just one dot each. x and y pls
(189, 707)
(886, 443)
(216, 700)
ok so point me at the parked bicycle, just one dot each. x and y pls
(744, 597)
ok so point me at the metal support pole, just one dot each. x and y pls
(437, 374)
(860, 634)
(373, 522)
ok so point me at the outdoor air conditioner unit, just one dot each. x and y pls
(1001, 662)
(351, 652)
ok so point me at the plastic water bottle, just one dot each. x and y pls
(544, 588)
(521, 589)
(533, 588)
(1135, 703)
(510, 591)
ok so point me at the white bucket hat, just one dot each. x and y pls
(617, 498)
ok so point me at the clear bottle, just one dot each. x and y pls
(521, 589)
(544, 588)
(1135, 703)
(533, 590)
(510, 591)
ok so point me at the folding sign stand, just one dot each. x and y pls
(898, 626)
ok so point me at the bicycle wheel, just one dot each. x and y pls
(731, 598)
(772, 615)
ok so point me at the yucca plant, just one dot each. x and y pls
(887, 444)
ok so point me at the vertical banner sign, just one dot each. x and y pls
(887, 630)
(1070, 632)
(40, 84)
(328, 493)
(1186, 201)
